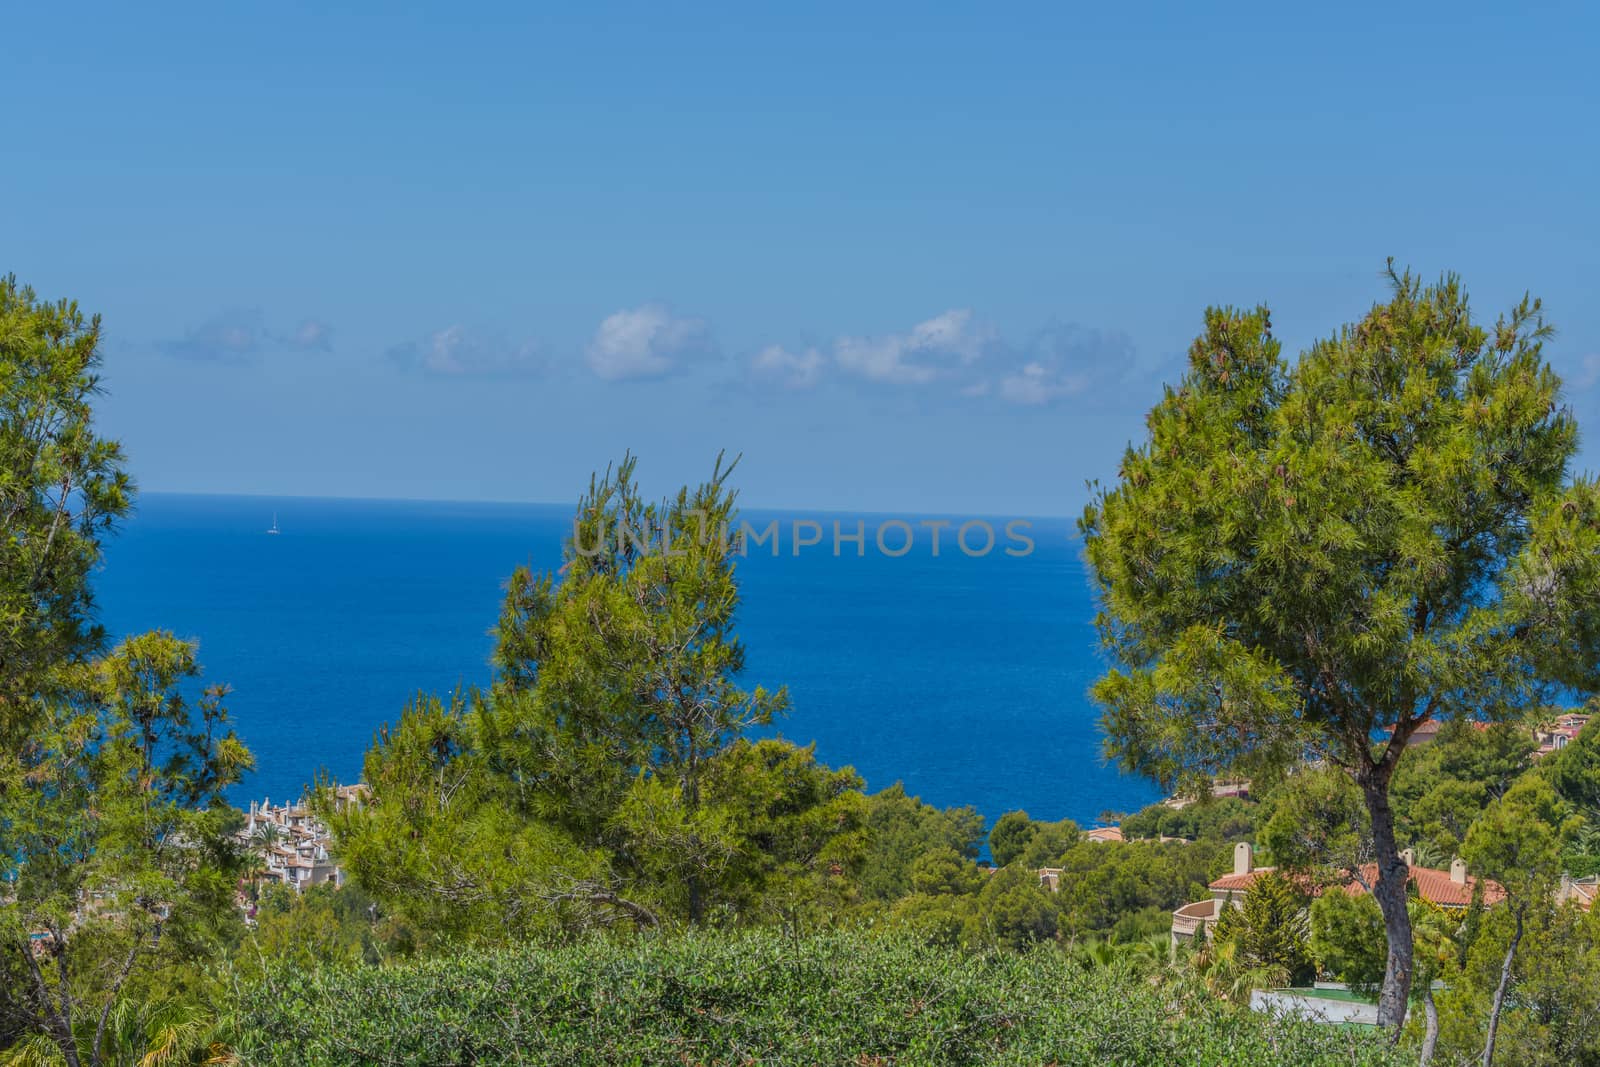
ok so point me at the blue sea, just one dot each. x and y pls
(963, 677)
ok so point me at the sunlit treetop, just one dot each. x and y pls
(1305, 556)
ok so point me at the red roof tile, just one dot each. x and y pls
(1434, 886)
(1235, 882)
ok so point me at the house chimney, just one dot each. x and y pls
(1458, 871)
(1243, 858)
(1410, 856)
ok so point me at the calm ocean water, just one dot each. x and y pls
(965, 678)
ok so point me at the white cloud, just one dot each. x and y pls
(951, 332)
(957, 352)
(792, 370)
(457, 352)
(928, 351)
(1035, 384)
(240, 336)
(1064, 361)
(645, 342)
(312, 334)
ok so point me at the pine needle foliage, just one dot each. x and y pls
(1306, 556)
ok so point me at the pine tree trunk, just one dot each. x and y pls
(69, 1049)
(696, 903)
(1500, 991)
(1430, 1037)
(57, 1018)
(1391, 893)
(65, 1041)
(691, 799)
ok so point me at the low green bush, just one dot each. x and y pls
(762, 998)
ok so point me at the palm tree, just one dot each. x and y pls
(1427, 853)
(1435, 931)
(263, 840)
(173, 1033)
(1587, 840)
(255, 869)
(266, 835)
(1093, 955)
(1227, 975)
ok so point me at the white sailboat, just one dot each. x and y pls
(274, 531)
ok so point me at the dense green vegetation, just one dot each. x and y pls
(1306, 554)
(1228, 819)
(62, 487)
(116, 872)
(591, 862)
(766, 998)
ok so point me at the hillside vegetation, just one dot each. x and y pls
(762, 998)
(1365, 580)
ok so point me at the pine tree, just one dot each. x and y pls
(1272, 928)
(618, 682)
(1303, 557)
(62, 488)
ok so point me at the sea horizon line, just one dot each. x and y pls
(783, 510)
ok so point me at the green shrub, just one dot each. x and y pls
(762, 998)
(1220, 819)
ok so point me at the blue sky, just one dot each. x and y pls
(915, 257)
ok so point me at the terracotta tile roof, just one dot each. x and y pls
(1105, 833)
(1434, 886)
(1581, 892)
(1426, 728)
(1236, 882)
